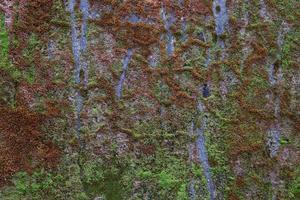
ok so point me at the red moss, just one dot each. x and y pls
(233, 196)
(23, 146)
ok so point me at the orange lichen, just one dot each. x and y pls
(23, 146)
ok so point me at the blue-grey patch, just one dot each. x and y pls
(168, 22)
(220, 15)
(123, 75)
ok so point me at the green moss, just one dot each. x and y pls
(284, 141)
(33, 45)
(4, 46)
(288, 56)
(113, 189)
(4, 42)
(110, 187)
(61, 23)
(117, 67)
(144, 175)
(30, 75)
(34, 185)
(182, 193)
(294, 186)
(92, 173)
(287, 9)
(197, 170)
(166, 180)
(133, 133)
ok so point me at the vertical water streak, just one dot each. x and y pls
(191, 185)
(79, 48)
(202, 152)
(84, 6)
(192, 192)
(221, 22)
(183, 29)
(74, 40)
(245, 47)
(263, 12)
(275, 77)
(168, 22)
(154, 57)
(220, 15)
(274, 139)
(203, 37)
(271, 75)
(77, 66)
(50, 49)
(133, 19)
(126, 61)
(208, 57)
(284, 29)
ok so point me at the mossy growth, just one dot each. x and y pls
(289, 50)
(4, 42)
(294, 186)
(29, 74)
(5, 64)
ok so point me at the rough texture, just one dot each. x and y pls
(151, 100)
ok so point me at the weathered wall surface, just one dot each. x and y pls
(187, 99)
